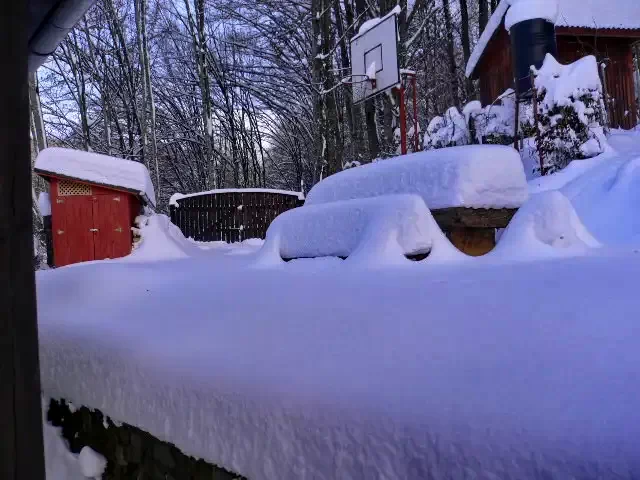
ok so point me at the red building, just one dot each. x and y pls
(94, 202)
(606, 29)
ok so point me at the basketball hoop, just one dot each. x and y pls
(360, 84)
(374, 59)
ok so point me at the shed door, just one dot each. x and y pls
(112, 226)
(71, 230)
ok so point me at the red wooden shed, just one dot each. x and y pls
(606, 29)
(94, 202)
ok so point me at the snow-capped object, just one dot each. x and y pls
(371, 231)
(522, 10)
(92, 464)
(98, 169)
(547, 225)
(478, 176)
(564, 81)
(406, 373)
(450, 130)
(179, 196)
(44, 204)
(369, 24)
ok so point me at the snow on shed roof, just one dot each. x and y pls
(98, 169)
(596, 14)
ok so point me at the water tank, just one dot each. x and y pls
(531, 40)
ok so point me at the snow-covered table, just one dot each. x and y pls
(471, 190)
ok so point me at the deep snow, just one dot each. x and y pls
(519, 364)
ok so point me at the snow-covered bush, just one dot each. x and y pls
(451, 130)
(477, 125)
(571, 112)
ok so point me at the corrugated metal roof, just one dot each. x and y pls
(596, 14)
(601, 14)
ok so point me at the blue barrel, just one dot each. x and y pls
(531, 40)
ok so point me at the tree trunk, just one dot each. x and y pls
(369, 105)
(483, 17)
(453, 74)
(466, 43)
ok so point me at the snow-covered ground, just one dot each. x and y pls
(519, 364)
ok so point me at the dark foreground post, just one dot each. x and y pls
(21, 447)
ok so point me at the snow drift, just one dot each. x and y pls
(370, 231)
(160, 240)
(547, 225)
(479, 176)
(606, 198)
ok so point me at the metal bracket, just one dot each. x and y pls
(119, 230)
(59, 200)
(116, 199)
(60, 232)
(93, 229)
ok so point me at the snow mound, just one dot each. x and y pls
(96, 168)
(547, 225)
(478, 176)
(522, 10)
(606, 198)
(160, 240)
(562, 82)
(370, 231)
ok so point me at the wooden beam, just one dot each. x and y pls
(449, 218)
(21, 446)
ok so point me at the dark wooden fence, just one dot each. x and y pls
(230, 217)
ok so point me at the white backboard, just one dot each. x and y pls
(375, 52)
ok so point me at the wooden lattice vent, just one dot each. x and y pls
(68, 188)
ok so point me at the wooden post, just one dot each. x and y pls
(21, 446)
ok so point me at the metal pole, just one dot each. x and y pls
(21, 446)
(537, 126)
(416, 137)
(517, 124)
(403, 122)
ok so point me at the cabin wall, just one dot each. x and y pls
(617, 54)
(496, 72)
(496, 67)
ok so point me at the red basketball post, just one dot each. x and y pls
(403, 122)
